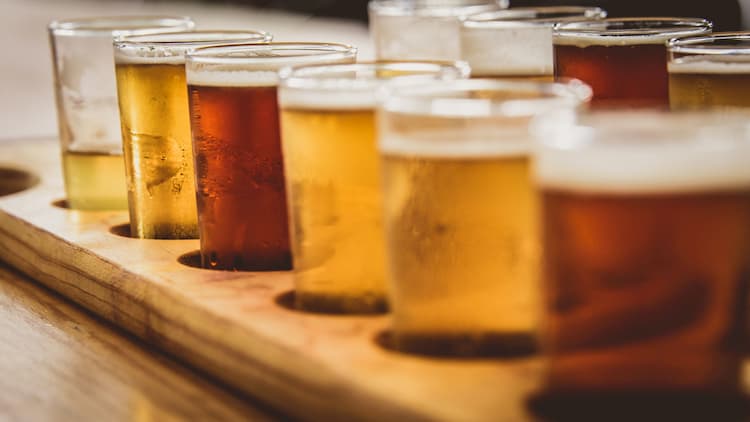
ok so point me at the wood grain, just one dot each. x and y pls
(228, 324)
(61, 364)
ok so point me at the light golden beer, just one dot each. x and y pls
(333, 185)
(699, 82)
(94, 180)
(333, 180)
(155, 120)
(461, 232)
(158, 152)
(460, 214)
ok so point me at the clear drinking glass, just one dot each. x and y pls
(516, 43)
(239, 170)
(624, 60)
(646, 228)
(333, 179)
(86, 93)
(422, 29)
(460, 213)
(710, 71)
(153, 99)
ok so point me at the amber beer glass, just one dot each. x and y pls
(460, 214)
(152, 94)
(422, 29)
(624, 60)
(710, 71)
(239, 176)
(333, 179)
(86, 94)
(517, 42)
(646, 254)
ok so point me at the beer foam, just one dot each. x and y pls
(638, 161)
(456, 145)
(231, 78)
(508, 49)
(312, 99)
(173, 56)
(709, 65)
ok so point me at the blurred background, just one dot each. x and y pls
(27, 103)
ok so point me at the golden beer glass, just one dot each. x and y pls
(333, 179)
(460, 213)
(710, 71)
(86, 94)
(239, 169)
(516, 42)
(153, 99)
(422, 29)
(646, 228)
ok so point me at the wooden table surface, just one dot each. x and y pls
(59, 363)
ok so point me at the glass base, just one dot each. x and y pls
(466, 345)
(334, 304)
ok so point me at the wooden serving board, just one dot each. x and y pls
(229, 324)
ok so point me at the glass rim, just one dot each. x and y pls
(438, 99)
(120, 25)
(237, 54)
(707, 44)
(657, 28)
(531, 16)
(324, 76)
(194, 39)
(407, 8)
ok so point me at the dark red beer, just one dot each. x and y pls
(624, 60)
(240, 184)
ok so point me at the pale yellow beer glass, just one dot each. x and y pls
(152, 94)
(333, 179)
(86, 94)
(460, 213)
(710, 71)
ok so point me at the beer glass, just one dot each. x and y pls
(710, 71)
(422, 29)
(89, 126)
(646, 228)
(516, 43)
(624, 60)
(153, 101)
(239, 176)
(333, 179)
(460, 213)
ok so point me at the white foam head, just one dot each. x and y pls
(468, 118)
(643, 152)
(171, 48)
(711, 65)
(258, 65)
(508, 48)
(627, 31)
(356, 86)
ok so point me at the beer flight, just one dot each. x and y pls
(494, 162)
